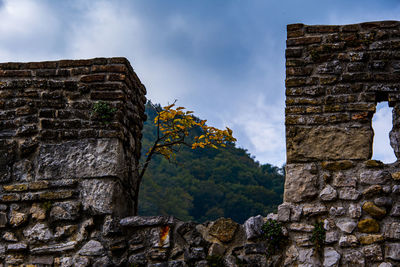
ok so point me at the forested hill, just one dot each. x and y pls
(206, 184)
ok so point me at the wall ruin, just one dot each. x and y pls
(66, 175)
(335, 75)
(64, 169)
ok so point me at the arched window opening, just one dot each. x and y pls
(382, 125)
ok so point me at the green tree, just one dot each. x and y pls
(173, 127)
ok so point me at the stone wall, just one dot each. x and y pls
(335, 75)
(65, 170)
(68, 176)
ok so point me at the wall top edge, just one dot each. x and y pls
(371, 24)
(65, 63)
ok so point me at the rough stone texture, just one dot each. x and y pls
(301, 182)
(223, 229)
(334, 143)
(100, 196)
(55, 153)
(253, 226)
(335, 75)
(368, 226)
(373, 210)
(38, 232)
(68, 210)
(328, 193)
(331, 257)
(80, 159)
(392, 251)
(63, 169)
(346, 225)
(92, 248)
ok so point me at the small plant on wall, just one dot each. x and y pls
(272, 234)
(103, 111)
(318, 236)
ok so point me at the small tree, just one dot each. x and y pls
(173, 127)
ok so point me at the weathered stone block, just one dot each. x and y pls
(301, 182)
(142, 221)
(284, 212)
(68, 210)
(81, 159)
(38, 232)
(346, 225)
(370, 239)
(223, 229)
(368, 226)
(104, 196)
(92, 248)
(392, 251)
(348, 193)
(252, 226)
(392, 230)
(328, 193)
(328, 143)
(331, 257)
(348, 241)
(373, 210)
(372, 177)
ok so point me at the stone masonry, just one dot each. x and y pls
(335, 75)
(63, 170)
(67, 176)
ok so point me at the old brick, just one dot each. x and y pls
(15, 187)
(107, 95)
(15, 73)
(295, 63)
(293, 34)
(303, 101)
(328, 80)
(361, 107)
(109, 68)
(45, 73)
(38, 185)
(10, 197)
(303, 41)
(63, 194)
(322, 29)
(337, 165)
(299, 71)
(93, 78)
(350, 28)
(294, 27)
(116, 77)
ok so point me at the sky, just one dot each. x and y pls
(223, 59)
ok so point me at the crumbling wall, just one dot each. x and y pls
(335, 75)
(65, 170)
(67, 175)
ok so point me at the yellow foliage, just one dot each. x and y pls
(174, 125)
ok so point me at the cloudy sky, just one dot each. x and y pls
(224, 59)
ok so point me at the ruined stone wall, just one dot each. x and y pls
(66, 174)
(335, 75)
(65, 170)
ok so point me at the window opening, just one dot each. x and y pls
(382, 125)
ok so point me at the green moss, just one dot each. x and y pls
(273, 236)
(103, 111)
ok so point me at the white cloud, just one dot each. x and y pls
(261, 130)
(382, 124)
(27, 30)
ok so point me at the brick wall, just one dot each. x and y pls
(64, 169)
(335, 75)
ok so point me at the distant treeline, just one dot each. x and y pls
(205, 184)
